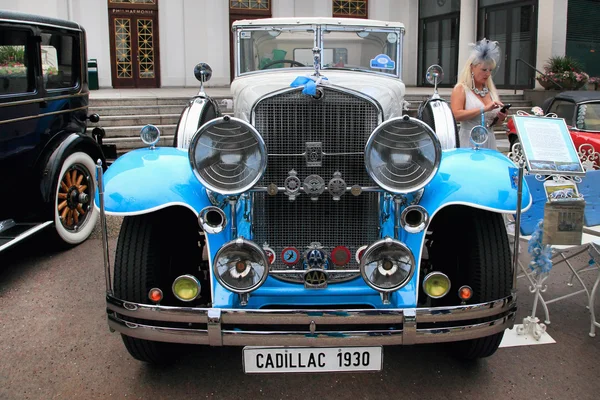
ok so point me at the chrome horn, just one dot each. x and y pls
(212, 219)
(414, 219)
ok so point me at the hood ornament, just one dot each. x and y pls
(317, 60)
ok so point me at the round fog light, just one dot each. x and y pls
(186, 287)
(241, 266)
(387, 265)
(436, 285)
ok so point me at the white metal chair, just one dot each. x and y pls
(589, 187)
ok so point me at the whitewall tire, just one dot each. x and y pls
(74, 213)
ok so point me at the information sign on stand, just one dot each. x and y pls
(547, 146)
(549, 153)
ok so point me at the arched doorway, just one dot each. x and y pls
(134, 47)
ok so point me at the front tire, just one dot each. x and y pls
(73, 207)
(474, 246)
(152, 250)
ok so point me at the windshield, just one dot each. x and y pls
(351, 49)
(588, 117)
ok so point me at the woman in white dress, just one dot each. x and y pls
(475, 93)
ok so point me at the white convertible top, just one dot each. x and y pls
(319, 21)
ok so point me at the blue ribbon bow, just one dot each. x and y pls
(541, 256)
(309, 83)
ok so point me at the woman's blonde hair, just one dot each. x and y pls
(465, 77)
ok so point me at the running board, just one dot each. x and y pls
(12, 233)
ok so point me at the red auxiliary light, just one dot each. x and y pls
(155, 295)
(359, 253)
(340, 256)
(465, 293)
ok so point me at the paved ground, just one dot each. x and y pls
(54, 343)
(187, 92)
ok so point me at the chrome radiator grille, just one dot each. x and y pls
(351, 222)
(342, 124)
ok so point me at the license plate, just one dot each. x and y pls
(265, 360)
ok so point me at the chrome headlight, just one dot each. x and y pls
(402, 155)
(241, 266)
(387, 265)
(228, 155)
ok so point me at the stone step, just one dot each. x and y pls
(126, 144)
(133, 131)
(136, 110)
(136, 120)
(154, 101)
(145, 101)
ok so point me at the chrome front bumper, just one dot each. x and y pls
(234, 327)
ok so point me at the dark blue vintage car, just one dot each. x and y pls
(47, 161)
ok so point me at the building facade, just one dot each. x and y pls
(157, 43)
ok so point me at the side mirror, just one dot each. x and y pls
(478, 136)
(202, 72)
(434, 75)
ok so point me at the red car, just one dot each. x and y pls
(581, 111)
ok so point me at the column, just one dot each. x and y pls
(467, 30)
(206, 31)
(552, 32)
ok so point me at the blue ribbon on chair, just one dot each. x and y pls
(309, 83)
(541, 256)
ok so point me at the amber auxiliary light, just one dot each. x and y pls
(186, 287)
(436, 285)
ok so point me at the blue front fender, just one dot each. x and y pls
(146, 180)
(480, 179)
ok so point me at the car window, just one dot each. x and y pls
(15, 74)
(588, 117)
(59, 60)
(261, 49)
(563, 109)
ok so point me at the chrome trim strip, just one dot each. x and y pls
(299, 316)
(348, 189)
(43, 115)
(329, 271)
(103, 228)
(324, 338)
(18, 21)
(66, 96)
(25, 235)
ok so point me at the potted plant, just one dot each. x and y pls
(594, 83)
(565, 71)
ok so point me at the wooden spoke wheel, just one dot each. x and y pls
(74, 213)
(75, 197)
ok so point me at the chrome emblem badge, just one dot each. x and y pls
(270, 253)
(314, 185)
(292, 185)
(315, 279)
(314, 154)
(337, 186)
(290, 256)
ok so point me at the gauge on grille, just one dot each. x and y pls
(402, 155)
(228, 155)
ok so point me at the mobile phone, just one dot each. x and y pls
(504, 109)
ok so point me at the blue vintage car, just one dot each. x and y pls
(318, 222)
